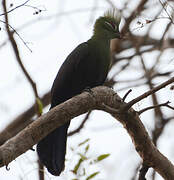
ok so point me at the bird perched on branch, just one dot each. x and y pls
(86, 66)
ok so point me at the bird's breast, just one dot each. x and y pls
(94, 69)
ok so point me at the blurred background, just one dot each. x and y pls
(45, 32)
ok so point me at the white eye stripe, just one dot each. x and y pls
(112, 26)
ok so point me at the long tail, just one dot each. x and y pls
(52, 150)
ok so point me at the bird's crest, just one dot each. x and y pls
(108, 25)
(114, 14)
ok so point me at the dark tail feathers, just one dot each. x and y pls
(52, 150)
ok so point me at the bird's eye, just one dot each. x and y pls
(111, 24)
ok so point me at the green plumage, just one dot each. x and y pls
(86, 66)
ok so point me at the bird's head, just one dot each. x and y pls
(108, 25)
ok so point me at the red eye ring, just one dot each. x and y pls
(112, 24)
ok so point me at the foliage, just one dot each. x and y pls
(84, 164)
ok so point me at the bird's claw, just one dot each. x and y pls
(32, 149)
(88, 89)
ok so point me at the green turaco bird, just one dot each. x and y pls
(86, 67)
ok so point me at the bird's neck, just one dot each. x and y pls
(100, 47)
(100, 37)
(100, 41)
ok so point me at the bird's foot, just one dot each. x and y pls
(87, 89)
(32, 149)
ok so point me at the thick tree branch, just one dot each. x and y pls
(22, 120)
(79, 105)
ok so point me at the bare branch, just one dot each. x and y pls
(170, 107)
(164, 7)
(155, 106)
(79, 105)
(14, 31)
(16, 50)
(125, 96)
(143, 172)
(5, 13)
(148, 93)
(81, 125)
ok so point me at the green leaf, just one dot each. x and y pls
(86, 148)
(77, 166)
(92, 175)
(85, 141)
(82, 156)
(101, 157)
(84, 172)
(40, 105)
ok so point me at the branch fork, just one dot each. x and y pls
(102, 98)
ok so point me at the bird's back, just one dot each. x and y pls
(85, 67)
(82, 68)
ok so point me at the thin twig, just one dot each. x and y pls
(16, 50)
(125, 96)
(170, 107)
(163, 5)
(14, 31)
(143, 172)
(148, 93)
(37, 8)
(81, 125)
(152, 107)
(7, 12)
